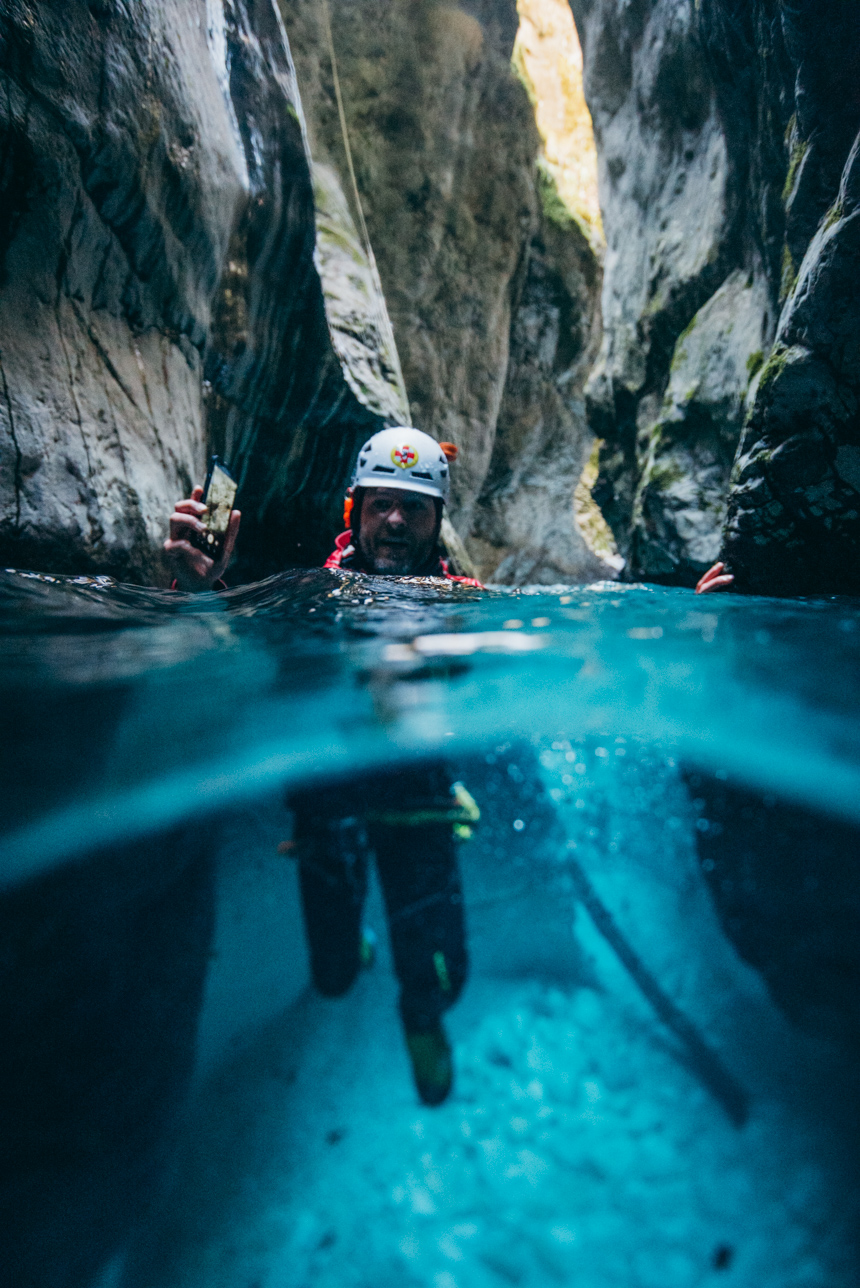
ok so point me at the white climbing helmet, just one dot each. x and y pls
(404, 458)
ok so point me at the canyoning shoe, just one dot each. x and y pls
(432, 1065)
(367, 948)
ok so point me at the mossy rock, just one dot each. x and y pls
(834, 214)
(789, 274)
(774, 367)
(798, 152)
(755, 362)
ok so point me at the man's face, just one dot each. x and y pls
(397, 531)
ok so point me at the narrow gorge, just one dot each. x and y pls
(441, 920)
(183, 269)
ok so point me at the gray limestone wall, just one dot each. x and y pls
(158, 294)
(182, 272)
(492, 290)
(725, 390)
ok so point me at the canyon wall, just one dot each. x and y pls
(183, 271)
(491, 286)
(725, 394)
(158, 290)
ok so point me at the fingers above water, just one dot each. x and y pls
(714, 579)
(186, 520)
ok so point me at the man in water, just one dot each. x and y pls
(405, 817)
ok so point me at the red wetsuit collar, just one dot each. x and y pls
(343, 556)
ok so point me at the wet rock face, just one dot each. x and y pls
(668, 211)
(157, 233)
(723, 131)
(493, 305)
(115, 223)
(685, 455)
(179, 276)
(523, 528)
(793, 523)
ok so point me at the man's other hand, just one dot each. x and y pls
(714, 579)
(193, 569)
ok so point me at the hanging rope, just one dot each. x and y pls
(459, 558)
(381, 311)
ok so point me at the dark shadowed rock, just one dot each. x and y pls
(784, 882)
(723, 131)
(102, 969)
(793, 524)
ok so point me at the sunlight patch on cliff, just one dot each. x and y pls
(548, 59)
(594, 529)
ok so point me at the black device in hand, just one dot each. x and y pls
(218, 495)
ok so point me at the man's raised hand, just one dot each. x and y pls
(193, 569)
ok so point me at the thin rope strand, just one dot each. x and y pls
(381, 310)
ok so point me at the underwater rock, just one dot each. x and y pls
(103, 970)
(784, 882)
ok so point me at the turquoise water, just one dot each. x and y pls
(655, 1061)
(190, 703)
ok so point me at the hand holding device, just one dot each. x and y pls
(218, 497)
(199, 561)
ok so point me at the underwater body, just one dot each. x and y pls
(655, 1049)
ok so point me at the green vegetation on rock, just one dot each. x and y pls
(789, 274)
(755, 362)
(774, 366)
(589, 519)
(834, 214)
(554, 207)
(798, 152)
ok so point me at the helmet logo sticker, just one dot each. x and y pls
(404, 456)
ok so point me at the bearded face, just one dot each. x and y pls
(398, 530)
